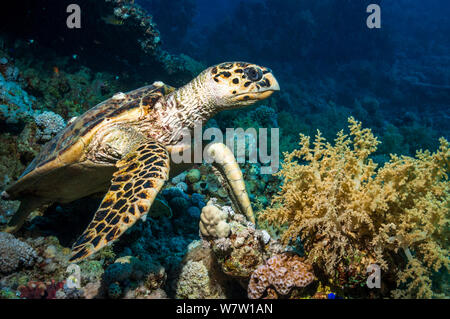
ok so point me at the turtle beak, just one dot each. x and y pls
(266, 86)
(260, 89)
(267, 91)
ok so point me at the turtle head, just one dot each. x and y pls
(238, 84)
(221, 87)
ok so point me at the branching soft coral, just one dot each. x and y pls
(350, 214)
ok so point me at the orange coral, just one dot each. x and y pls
(282, 272)
(350, 214)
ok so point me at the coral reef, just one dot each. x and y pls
(15, 253)
(199, 275)
(193, 176)
(242, 248)
(130, 277)
(48, 125)
(15, 103)
(40, 290)
(125, 19)
(242, 251)
(165, 13)
(350, 214)
(46, 272)
(282, 272)
(213, 222)
(340, 206)
(66, 91)
(194, 282)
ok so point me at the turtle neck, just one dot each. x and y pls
(191, 105)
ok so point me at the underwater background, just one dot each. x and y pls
(377, 200)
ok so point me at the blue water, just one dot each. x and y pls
(395, 79)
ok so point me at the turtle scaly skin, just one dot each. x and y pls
(123, 146)
(126, 201)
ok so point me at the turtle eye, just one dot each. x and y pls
(253, 74)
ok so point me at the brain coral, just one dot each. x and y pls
(282, 272)
(349, 214)
(213, 222)
(14, 253)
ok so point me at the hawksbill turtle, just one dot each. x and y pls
(123, 146)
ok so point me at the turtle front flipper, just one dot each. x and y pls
(134, 186)
(27, 205)
(229, 173)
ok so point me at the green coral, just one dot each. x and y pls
(114, 291)
(91, 271)
(6, 293)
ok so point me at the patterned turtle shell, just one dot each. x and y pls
(68, 145)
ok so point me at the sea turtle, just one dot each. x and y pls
(123, 146)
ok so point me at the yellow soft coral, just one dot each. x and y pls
(350, 214)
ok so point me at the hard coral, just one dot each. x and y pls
(283, 272)
(128, 10)
(199, 275)
(350, 215)
(213, 222)
(194, 281)
(49, 124)
(15, 103)
(14, 253)
(243, 249)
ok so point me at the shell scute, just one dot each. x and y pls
(82, 126)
